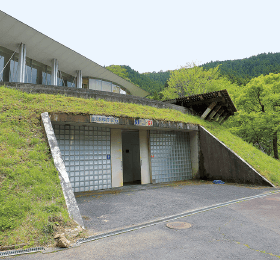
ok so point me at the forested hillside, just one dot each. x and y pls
(151, 82)
(243, 70)
(237, 71)
(257, 102)
(161, 76)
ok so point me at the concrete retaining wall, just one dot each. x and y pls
(68, 193)
(94, 94)
(218, 162)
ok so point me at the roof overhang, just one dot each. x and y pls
(43, 49)
(218, 103)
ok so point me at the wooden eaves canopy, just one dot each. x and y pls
(212, 106)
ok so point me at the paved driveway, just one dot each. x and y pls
(121, 207)
(245, 230)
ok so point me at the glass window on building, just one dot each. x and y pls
(95, 84)
(85, 83)
(115, 89)
(13, 69)
(71, 83)
(5, 56)
(31, 73)
(35, 72)
(60, 80)
(68, 80)
(106, 86)
(46, 76)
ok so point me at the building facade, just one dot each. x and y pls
(102, 152)
(28, 56)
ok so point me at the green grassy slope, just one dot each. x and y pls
(31, 199)
(30, 193)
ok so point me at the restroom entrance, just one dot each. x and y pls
(131, 157)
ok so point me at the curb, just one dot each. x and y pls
(137, 227)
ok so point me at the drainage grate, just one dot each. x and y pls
(148, 224)
(173, 217)
(21, 251)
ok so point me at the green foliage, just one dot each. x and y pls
(28, 178)
(144, 81)
(30, 192)
(52, 208)
(150, 82)
(192, 80)
(161, 77)
(243, 70)
(238, 72)
(11, 212)
(119, 70)
(258, 119)
(264, 164)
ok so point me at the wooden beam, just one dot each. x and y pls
(219, 113)
(225, 118)
(205, 101)
(208, 110)
(214, 112)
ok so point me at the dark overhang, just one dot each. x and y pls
(216, 105)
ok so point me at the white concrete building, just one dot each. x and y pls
(101, 152)
(28, 56)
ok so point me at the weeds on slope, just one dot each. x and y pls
(30, 194)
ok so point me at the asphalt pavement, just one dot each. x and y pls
(246, 230)
(131, 205)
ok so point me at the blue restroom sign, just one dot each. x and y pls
(108, 156)
(143, 122)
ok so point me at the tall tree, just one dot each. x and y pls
(259, 116)
(192, 80)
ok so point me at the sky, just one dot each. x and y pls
(155, 35)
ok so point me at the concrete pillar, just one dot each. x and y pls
(21, 63)
(116, 157)
(194, 143)
(208, 110)
(144, 157)
(79, 79)
(54, 72)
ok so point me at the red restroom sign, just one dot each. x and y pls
(143, 122)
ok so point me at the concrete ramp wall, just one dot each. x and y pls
(218, 162)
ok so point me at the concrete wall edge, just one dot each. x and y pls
(71, 203)
(92, 94)
(252, 168)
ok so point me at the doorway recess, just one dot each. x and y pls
(131, 157)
